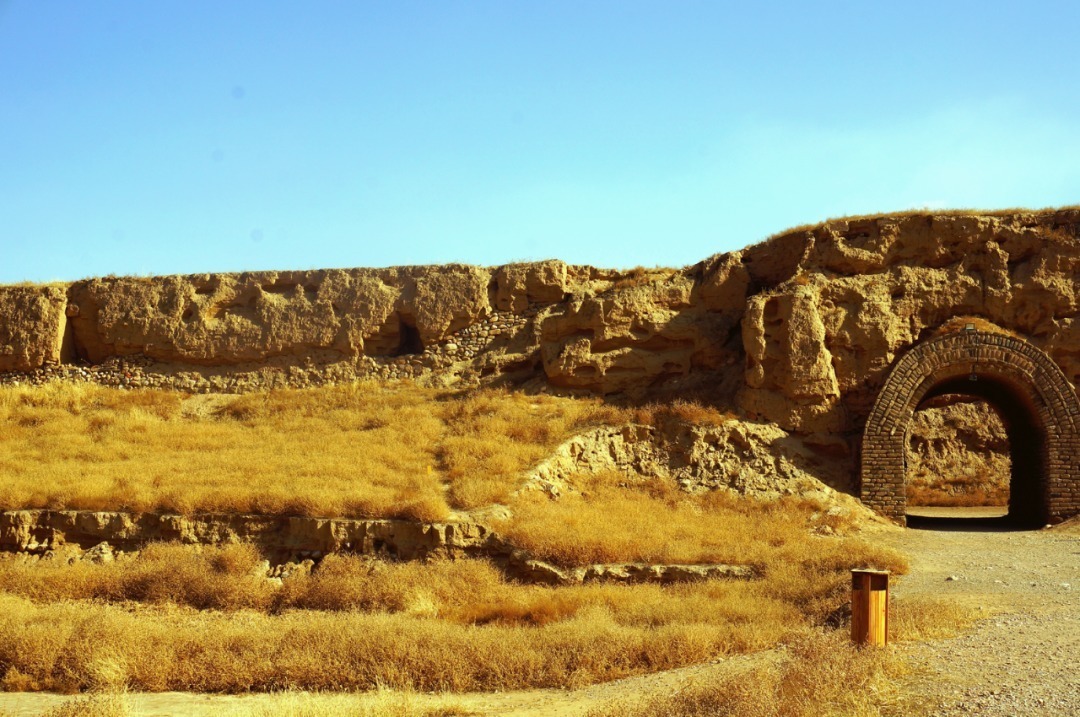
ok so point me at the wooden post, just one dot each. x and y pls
(870, 607)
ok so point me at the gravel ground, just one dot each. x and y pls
(1025, 659)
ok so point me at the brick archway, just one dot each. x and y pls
(1035, 399)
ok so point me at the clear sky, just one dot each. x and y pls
(175, 137)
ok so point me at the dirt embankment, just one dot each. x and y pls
(297, 543)
(799, 331)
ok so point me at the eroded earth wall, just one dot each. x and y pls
(799, 331)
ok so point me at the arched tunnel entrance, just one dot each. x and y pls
(1038, 407)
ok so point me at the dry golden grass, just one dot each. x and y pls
(821, 674)
(930, 617)
(679, 410)
(230, 577)
(640, 276)
(956, 493)
(70, 646)
(958, 324)
(818, 673)
(443, 625)
(961, 479)
(99, 705)
(178, 618)
(220, 578)
(655, 522)
(358, 450)
(380, 703)
(1053, 234)
(466, 592)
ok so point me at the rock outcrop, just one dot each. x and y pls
(43, 530)
(537, 571)
(866, 290)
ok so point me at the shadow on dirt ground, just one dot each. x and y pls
(978, 519)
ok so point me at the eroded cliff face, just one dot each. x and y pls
(220, 320)
(799, 331)
(235, 318)
(32, 326)
(821, 314)
(865, 290)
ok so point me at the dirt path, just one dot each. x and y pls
(1025, 660)
(530, 703)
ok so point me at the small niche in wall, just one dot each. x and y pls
(409, 341)
(69, 349)
(397, 337)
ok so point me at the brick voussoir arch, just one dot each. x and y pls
(1026, 373)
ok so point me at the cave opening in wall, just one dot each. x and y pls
(958, 459)
(409, 341)
(398, 336)
(71, 350)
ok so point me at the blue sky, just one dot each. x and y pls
(176, 137)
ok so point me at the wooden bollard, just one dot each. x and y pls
(870, 607)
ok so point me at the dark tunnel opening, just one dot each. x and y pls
(409, 341)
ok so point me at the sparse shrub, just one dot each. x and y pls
(639, 276)
(681, 410)
(960, 323)
(214, 577)
(59, 645)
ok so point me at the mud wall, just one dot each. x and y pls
(799, 331)
(224, 319)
